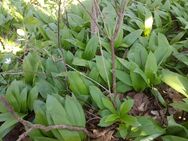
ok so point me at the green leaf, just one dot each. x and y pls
(45, 88)
(97, 96)
(108, 104)
(149, 126)
(23, 100)
(138, 54)
(122, 88)
(103, 63)
(32, 96)
(183, 57)
(80, 62)
(91, 48)
(6, 127)
(126, 106)
(123, 130)
(40, 112)
(30, 67)
(110, 118)
(175, 128)
(124, 63)
(138, 78)
(44, 139)
(176, 81)
(58, 115)
(75, 111)
(130, 120)
(132, 37)
(151, 68)
(173, 138)
(124, 77)
(151, 137)
(163, 50)
(157, 19)
(181, 105)
(77, 84)
(119, 39)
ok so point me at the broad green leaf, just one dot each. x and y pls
(80, 62)
(130, 120)
(151, 68)
(102, 122)
(138, 54)
(124, 63)
(6, 127)
(157, 19)
(126, 106)
(75, 111)
(58, 115)
(40, 112)
(178, 37)
(32, 96)
(132, 37)
(123, 130)
(176, 81)
(30, 67)
(175, 128)
(124, 77)
(138, 78)
(111, 118)
(76, 43)
(97, 96)
(150, 137)
(44, 139)
(23, 100)
(183, 57)
(91, 48)
(5, 116)
(163, 50)
(31, 21)
(180, 105)
(104, 67)
(122, 87)
(119, 39)
(108, 104)
(173, 138)
(44, 88)
(152, 44)
(77, 84)
(149, 126)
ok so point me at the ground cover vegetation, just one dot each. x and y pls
(94, 70)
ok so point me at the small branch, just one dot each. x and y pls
(95, 14)
(30, 126)
(112, 41)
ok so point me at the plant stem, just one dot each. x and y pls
(112, 41)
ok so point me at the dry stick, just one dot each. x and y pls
(95, 14)
(98, 9)
(112, 41)
(91, 17)
(30, 126)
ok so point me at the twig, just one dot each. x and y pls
(112, 41)
(95, 14)
(30, 126)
